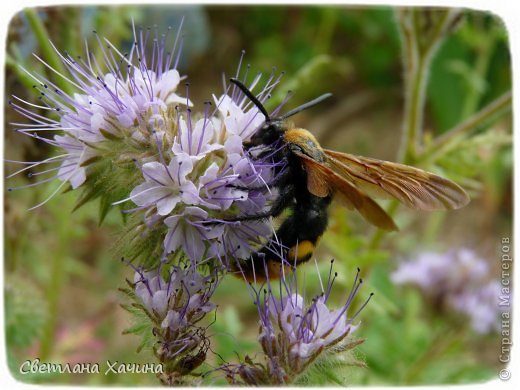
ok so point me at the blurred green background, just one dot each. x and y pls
(62, 274)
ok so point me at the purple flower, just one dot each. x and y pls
(433, 271)
(72, 168)
(481, 305)
(197, 140)
(457, 280)
(295, 333)
(190, 232)
(166, 185)
(114, 106)
(238, 121)
(204, 180)
(186, 170)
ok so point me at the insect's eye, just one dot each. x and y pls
(296, 148)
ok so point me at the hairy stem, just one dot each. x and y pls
(417, 58)
(419, 48)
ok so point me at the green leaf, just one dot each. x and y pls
(446, 90)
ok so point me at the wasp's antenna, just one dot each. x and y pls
(304, 106)
(251, 97)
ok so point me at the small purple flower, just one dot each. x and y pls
(166, 185)
(197, 140)
(190, 232)
(295, 333)
(450, 271)
(238, 121)
(457, 280)
(72, 169)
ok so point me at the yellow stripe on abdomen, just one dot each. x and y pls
(301, 251)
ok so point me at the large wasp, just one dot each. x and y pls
(313, 176)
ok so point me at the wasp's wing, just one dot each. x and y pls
(412, 186)
(323, 181)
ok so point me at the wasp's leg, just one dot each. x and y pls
(271, 260)
(280, 179)
(283, 201)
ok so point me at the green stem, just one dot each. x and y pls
(56, 281)
(416, 63)
(303, 77)
(48, 52)
(325, 30)
(23, 77)
(481, 67)
(407, 28)
(444, 142)
(433, 227)
(414, 107)
(417, 58)
(484, 49)
(442, 342)
(379, 234)
(70, 39)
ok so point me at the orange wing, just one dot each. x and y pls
(323, 181)
(413, 187)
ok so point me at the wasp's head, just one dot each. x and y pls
(271, 131)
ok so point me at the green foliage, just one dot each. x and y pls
(468, 65)
(230, 335)
(447, 74)
(25, 312)
(333, 369)
(143, 324)
(374, 58)
(472, 156)
(428, 347)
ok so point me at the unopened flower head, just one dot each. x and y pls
(181, 299)
(294, 332)
(457, 280)
(176, 304)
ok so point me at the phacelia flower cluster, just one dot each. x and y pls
(205, 181)
(117, 98)
(130, 137)
(457, 280)
(295, 333)
(175, 302)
